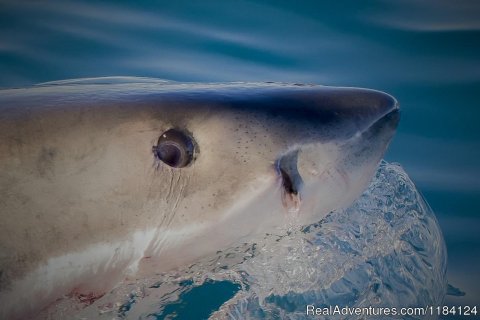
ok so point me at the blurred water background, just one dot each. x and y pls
(425, 53)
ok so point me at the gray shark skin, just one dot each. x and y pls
(86, 199)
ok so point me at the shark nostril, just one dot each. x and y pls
(288, 171)
(287, 183)
(291, 180)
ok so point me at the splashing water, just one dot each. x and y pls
(386, 250)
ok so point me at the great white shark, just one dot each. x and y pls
(105, 179)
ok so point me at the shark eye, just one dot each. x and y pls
(175, 148)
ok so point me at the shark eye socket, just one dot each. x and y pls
(175, 148)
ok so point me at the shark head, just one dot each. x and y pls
(271, 154)
(139, 176)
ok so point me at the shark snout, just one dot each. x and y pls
(355, 110)
(355, 127)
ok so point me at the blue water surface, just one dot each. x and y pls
(425, 53)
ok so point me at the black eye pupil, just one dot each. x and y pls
(175, 148)
(170, 154)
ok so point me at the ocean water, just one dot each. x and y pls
(425, 53)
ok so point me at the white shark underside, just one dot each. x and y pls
(87, 197)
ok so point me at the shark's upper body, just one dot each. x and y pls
(104, 178)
